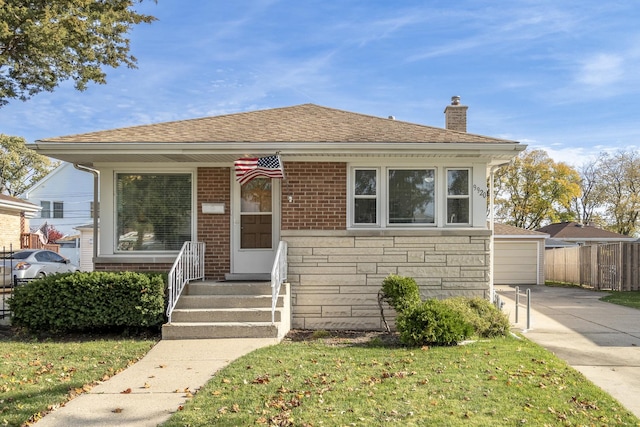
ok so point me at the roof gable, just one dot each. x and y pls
(301, 123)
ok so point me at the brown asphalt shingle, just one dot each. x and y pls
(301, 123)
(573, 230)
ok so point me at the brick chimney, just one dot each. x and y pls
(456, 115)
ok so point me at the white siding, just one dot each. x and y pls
(518, 262)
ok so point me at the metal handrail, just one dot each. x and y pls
(189, 265)
(278, 276)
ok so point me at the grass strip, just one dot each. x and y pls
(497, 382)
(37, 377)
(626, 298)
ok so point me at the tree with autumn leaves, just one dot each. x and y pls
(46, 42)
(533, 191)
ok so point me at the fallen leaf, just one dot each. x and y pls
(127, 391)
(117, 410)
(147, 385)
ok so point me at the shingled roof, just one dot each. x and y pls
(574, 231)
(509, 230)
(300, 123)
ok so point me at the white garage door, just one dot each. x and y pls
(515, 263)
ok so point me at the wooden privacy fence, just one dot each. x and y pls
(612, 266)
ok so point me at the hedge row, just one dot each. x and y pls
(76, 302)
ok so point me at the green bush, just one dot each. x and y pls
(401, 293)
(78, 302)
(486, 319)
(432, 323)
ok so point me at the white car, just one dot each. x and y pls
(32, 264)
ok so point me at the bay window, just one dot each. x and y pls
(153, 211)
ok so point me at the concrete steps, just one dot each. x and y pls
(208, 309)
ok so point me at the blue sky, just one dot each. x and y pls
(563, 76)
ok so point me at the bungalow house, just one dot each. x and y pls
(362, 197)
(574, 233)
(14, 221)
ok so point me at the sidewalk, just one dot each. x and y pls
(148, 392)
(599, 339)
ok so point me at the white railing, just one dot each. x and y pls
(189, 265)
(278, 276)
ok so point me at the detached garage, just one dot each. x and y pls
(518, 256)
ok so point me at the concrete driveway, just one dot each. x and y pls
(599, 339)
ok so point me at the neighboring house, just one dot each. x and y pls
(66, 198)
(363, 197)
(86, 247)
(14, 221)
(579, 234)
(519, 256)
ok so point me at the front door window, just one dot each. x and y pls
(256, 214)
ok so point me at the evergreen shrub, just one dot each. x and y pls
(487, 320)
(432, 323)
(89, 301)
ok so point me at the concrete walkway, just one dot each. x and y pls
(148, 392)
(599, 339)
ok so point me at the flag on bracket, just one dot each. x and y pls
(255, 167)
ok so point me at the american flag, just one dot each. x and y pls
(254, 167)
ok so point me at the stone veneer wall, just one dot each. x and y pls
(335, 276)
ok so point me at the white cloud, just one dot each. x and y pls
(601, 69)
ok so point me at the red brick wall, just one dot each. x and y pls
(319, 192)
(214, 186)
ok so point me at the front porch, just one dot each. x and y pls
(199, 308)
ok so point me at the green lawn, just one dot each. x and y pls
(37, 376)
(629, 299)
(498, 382)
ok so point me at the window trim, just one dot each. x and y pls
(387, 193)
(55, 211)
(440, 195)
(353, 197)
(114, 232)
(47, 210)
(458, 196)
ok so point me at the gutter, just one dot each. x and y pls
(96, 205)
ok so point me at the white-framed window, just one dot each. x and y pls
(58, 209)
(411, 196)
(366, 206)
(153, 211)
(46, 209)
(458, 196)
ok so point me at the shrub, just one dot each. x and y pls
(432, 323)
(401, 293)
(485, 318)
(78, 302)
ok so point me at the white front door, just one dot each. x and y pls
(256, 226)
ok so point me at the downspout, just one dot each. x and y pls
(96, 206)
(492, 171)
